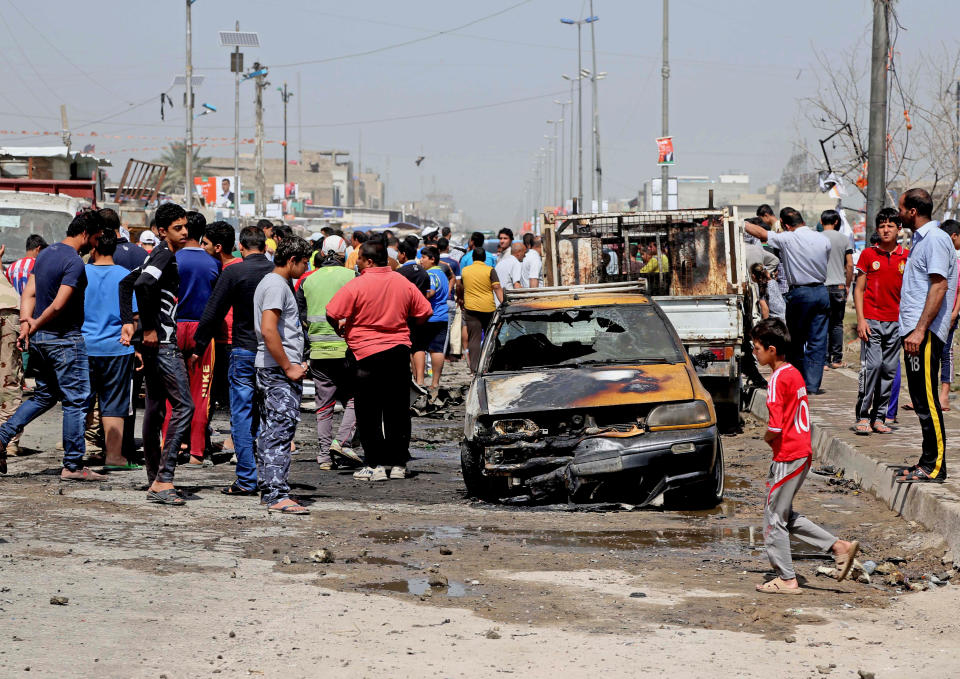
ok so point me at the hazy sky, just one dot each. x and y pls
(739, 69)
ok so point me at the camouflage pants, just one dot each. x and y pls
(279, 406)
(11, 365)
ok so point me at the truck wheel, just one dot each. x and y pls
(478, 484)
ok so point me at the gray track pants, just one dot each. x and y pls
(780, 521)
(879, 359)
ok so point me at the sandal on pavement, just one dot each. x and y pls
(918, 475)
(881, 428)
(908, 406)
(777, 586)
(236, 489)
(844, 561)
(861, 428)
(166, 497)
(129, 467)
(292, 508)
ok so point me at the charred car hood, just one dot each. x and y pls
(585, 387)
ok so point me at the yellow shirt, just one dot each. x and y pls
(271, 245)
(351, 262)
(478, 287)
(653, 265)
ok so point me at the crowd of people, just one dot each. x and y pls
(192, 322)
(905, 299)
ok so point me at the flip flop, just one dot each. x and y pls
(861, 428)
(881, 428)
(908, 406)
(844, 562)
(295, 509)
(166, 497)
(130, 467)
(918, 475)
(777, 586)
(237, 489)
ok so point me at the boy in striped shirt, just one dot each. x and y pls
(788, 433)
(18, 272)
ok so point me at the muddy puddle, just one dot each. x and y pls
(418, 587)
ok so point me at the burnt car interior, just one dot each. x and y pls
(632, 334)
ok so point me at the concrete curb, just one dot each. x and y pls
(933, 506)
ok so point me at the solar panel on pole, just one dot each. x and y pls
(239, 39)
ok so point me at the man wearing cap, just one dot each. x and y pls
(328, 354)
(316, 241)
(804, 255)
(148, 241)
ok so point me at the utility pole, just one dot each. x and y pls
(236, 65)
(65, 127)
(665, 113)
(260, 84)
(598, 190)
(188, 173)
(563, 149)
(877, 148)
(286, 98)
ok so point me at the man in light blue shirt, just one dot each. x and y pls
(804, 254)
(926, 301)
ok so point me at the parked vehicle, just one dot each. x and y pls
(25, 213)
(586, 393)
(702, 287)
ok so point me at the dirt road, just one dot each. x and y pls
(221, 588)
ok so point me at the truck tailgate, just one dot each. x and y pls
(704, 320)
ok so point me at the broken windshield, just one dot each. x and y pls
(588, 335)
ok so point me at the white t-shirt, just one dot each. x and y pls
(509, 271)
(531, 267)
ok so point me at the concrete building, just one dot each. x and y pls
(323, 177)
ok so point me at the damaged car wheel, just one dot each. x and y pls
(706, 495)
(478, 484)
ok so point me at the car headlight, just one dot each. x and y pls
(674, 415)
(521, 427)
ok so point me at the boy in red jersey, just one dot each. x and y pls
(788, 433)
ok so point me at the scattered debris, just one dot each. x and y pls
(322, 556)
(59, 600)
(638, 595)
(866, 675)
(446, 551)
(492, 633)
(286, 560)
(826, 669)
(437, 580)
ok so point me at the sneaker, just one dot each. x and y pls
(364, 474)
(233, 459)
(379, 474)
(325, 466)
(345, 451)
(398, 472)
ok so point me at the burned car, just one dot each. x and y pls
(586, 393)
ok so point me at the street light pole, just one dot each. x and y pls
(236, 64)
(665, 112)
(563, 150)
(579, 24)
(188, 170)
(596, 115)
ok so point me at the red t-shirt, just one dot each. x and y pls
(789, 414)
(884, 272)
(376, 306)
(225, 336)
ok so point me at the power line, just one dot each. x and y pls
(60, 52)
(16, 72)
(377, 50)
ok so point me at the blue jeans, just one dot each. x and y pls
(243, 414)
(63, 375)
(808, 318)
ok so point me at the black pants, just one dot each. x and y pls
(838, 307)
(129, 422)
(923, 380)
(476, 322)
(165, 377)
(382, 404)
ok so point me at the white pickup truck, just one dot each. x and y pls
(697, 275)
